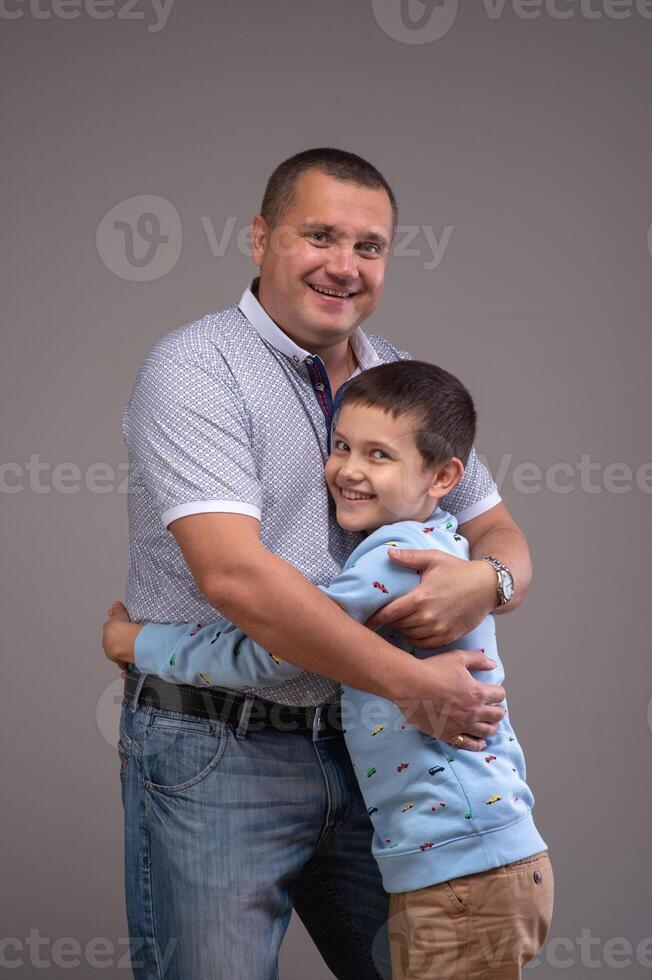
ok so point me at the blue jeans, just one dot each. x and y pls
(225, 832)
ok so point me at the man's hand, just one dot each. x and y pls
(454, 597)
(118, 636)
(455, 703)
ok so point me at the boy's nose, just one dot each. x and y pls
(351, 473)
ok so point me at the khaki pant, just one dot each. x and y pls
(482, 927)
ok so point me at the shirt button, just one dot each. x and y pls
(319, 387)
(295, 358)
(538, 877)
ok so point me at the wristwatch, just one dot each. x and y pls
(505, 586)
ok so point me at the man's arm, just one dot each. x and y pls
(224, 656)
(274, 604)
(497, 533)
(455, 595)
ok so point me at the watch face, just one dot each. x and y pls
(508, 586)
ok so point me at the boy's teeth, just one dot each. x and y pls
(331, 292)
(354, 495)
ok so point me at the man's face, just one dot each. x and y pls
(375, 472)
(322, 267)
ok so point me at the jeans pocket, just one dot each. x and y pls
(179, 750)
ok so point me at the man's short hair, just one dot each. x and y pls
(280, 191)
(440, 405)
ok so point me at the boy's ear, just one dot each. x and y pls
(446, 476)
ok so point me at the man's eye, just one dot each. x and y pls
(371, 248)
(320, 237)
(383, 455)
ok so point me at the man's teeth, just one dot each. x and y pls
(331, 292)
(354, 495)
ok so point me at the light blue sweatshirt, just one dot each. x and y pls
(438, 812)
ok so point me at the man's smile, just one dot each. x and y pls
(331, 294)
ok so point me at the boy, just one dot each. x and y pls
(468, 874)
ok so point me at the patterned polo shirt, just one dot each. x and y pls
(228, 414)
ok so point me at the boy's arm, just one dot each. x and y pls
(372, 579)
(218, 656)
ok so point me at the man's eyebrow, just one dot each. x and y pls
(373, 236)
(370, 236)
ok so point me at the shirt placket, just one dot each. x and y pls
(321, 387)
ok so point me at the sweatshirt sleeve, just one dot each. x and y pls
(370, 579)
(213, 656)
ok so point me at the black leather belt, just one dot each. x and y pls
(233, 707)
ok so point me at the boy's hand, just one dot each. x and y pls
(454, 597)
(118, 636)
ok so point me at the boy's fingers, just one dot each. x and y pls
(119, 610)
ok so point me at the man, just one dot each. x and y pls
(230, 824)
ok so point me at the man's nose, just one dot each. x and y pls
(342, 263)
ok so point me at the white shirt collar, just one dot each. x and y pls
(263, 324)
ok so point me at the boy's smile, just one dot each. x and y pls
(376, 474)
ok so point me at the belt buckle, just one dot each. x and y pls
(317, 722)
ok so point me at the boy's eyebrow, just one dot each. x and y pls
(377, 443)
(370, 236)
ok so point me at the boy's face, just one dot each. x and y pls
(375, 472)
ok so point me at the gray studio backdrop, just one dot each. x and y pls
(517, 136)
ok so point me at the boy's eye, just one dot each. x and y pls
(340, 444)
(383, 455)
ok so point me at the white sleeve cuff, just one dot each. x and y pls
(210, 507)
(481, 507)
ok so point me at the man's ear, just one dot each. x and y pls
(260, 234)
(446, 476)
